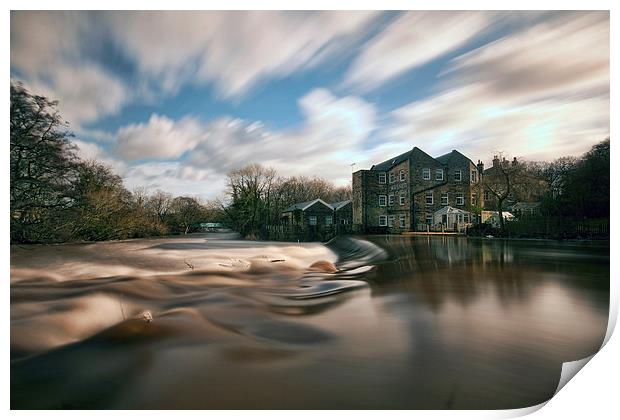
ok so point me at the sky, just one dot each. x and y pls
(175, 100)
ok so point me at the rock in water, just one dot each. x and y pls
(323, 267)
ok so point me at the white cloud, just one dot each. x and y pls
(47, 48)
(92, 151)
(232, 50)
(333, 133)
(159, 138)
(414, 39)
(540, 94)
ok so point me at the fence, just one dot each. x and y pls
(304, 233)
(549, 227)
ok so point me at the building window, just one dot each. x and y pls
(444, 199)
(381, 177)
(391, 199)
(487, 196)
(392, 178)
(401, 220)
(429, 198)
(438, 174)
(458, 175)
(391, 221)
(474, 197)
(426, 173)
(401, 175)
(474, 176)
(329, 220)
(382, 200)
(312, 220)
(382, 220)
(344, 222)
(460, 200)
(429, 219)
(466, 218)
(401, 200)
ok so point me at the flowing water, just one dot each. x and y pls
(209, 321)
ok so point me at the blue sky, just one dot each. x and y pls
(175, 100)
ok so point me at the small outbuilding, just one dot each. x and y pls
(318, 213)
(450, 218)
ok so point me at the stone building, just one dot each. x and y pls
(318, 213)
(404, 192)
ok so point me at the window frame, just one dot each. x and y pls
(401, 220)
(331, 220)
(438, 172)
(447, 197)
(473, 198)
(401, 200)
(390, 199)
(310, 219)
(382, 217)
(382, 175)
(460, 174)
(473, 176)
(460, 200)
(401, 175)
(384, 200)
(391, 218)
(392, 177)
(432, 197)
(424, 172)
(429, 217)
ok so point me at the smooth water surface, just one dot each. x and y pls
(405, 322)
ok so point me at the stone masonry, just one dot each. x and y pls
(402, 193)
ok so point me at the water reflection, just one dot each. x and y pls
(408, 322)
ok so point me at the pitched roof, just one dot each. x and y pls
(303, 206)
(444, 159)
(340, 204)
(390, 163)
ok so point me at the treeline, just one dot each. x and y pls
(257, 197)
(573, 193)
(57, 197)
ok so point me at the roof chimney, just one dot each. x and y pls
(480, 166)
(514, 161)
(495, 161)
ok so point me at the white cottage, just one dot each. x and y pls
(451, 218)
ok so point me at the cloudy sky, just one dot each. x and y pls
(174, 100)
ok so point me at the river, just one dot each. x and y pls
(211, 321)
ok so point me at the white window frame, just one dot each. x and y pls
(460, 200)
(447, 199)
(474, 196)
(487, 195)
(392, 177)
(438, 174)
(427, 218)
(382, 197)
(401, 199)
(426, 174)
(390, 199)
(401, 220)
(383, 220)
(460, 175)
(391, 219)
(426, 196)
(329, 220)
(312, 219)
(382, 178)
(401, 174)
(344, 222)
(473, 176)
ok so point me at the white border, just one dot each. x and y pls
(593, 394)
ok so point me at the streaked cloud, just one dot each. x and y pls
(541, 93)
(412, 40)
